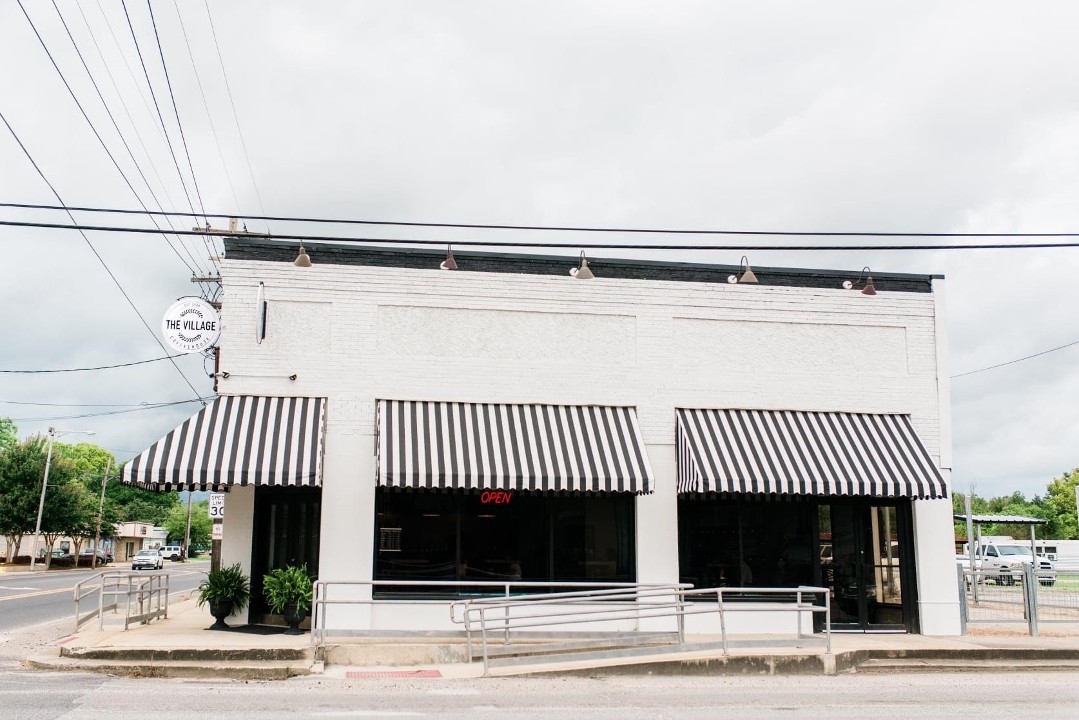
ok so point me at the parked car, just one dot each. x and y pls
(86, 557)
(1009, 559)
(147, 559)
(172, 552)
(61, 559)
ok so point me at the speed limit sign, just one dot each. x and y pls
(217, 506)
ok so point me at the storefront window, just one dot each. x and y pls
(746, 542)
(501, 536)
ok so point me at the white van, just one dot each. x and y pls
(171, 552)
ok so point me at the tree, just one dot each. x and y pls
(979, 506)
(64, 508)
(129, 503)
(1060, 503)
(22, 467)
(9, 434)
(82, 521)
(201, 525)
(88, 462)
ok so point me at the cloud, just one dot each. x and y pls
(770, 115)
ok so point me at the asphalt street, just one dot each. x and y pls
(32, 599)
(26, 695)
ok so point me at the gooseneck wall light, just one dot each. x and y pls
(582, 272)
(303, 259)
(868, 289)
(449, 263)
(747, 275)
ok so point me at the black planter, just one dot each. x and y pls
(220, 609)
(293, 616)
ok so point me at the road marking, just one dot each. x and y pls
(368, 713)
(37, 594)
(9, 587)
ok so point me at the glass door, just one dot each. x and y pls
(287, 526)
(862, 551)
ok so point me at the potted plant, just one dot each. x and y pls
(288, 591)
(226, 590)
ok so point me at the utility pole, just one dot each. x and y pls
(100, 511)
(187, 529)
(53, 434)
(41, 506)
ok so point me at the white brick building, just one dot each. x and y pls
(363, 329)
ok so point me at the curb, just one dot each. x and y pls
(267, 670)
(284, 663)
(851, 661)
(189, 655)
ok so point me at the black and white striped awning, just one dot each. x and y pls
(570, 448)
(237, 440)
(803, 453)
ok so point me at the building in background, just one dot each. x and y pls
(382, 419)
(130, 537)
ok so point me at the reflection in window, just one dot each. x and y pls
(746, 542)
(500, 537)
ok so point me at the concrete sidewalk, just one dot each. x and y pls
(183, 646)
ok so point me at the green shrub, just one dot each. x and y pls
(290, 585)
(225, 584)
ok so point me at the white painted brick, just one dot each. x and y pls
(379, 333)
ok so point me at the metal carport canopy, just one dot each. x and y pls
(980, 520)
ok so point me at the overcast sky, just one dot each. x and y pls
(938, 117)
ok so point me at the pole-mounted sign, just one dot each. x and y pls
(191, 325)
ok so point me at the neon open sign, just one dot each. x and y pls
(495, 497)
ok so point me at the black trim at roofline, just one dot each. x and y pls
(241, 248)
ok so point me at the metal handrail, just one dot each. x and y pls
(476, 610)
(322, 597)
(150, 594)
(585, 602)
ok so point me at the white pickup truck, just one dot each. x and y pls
(1008, 559)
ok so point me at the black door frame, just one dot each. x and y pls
(907, 575)
(301, 536)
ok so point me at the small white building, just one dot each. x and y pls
(130, 537)
(384, 420)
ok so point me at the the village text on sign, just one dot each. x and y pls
(191, 325)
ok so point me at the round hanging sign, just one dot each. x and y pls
(191, 325)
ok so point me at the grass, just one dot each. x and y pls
(1066, 582)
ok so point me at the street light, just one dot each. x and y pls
(53, 434)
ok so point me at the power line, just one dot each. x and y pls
(175, 109)
(205, 103)
(113, 412)
(123, 140)
(157, 107)
(131, 73)
(235, 115)
(95, 405)
(573, 246)
(100, 259)
(142, 96)
(1012, 362)
(554, 228)
(99, 367)
(86, 117)
(120, 95)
